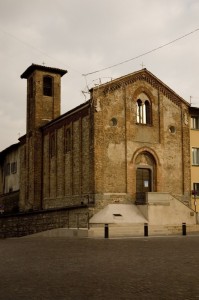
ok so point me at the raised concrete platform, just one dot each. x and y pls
(164, 209)
(118, 214)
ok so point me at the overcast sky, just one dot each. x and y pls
(83, 36)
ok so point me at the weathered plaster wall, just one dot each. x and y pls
(10, 170)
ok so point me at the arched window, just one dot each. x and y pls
(47, 86)
(148, 112)
(143, 108)
(139, 111)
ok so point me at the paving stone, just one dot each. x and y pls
(65, 268)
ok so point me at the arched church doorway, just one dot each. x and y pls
(145, 176)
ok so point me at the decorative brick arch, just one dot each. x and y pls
(145, 150)
(144, 90)
(144, 160)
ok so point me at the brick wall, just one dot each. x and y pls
(67, 175)
(10, 202)
(31, 171)
(117, 147)
(32, 222)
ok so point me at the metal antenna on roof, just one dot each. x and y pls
(84, 93)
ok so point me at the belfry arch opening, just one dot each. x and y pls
(145, 176)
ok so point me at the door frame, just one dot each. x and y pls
(148, 167)
(141, 196)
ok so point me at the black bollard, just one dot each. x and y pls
(184, 229)
(145, 229)
(106, 233)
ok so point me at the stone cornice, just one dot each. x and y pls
(144, 75)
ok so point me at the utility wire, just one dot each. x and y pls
(34, 48)
(143, 54)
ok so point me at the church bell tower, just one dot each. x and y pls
(43, 106)
(43, 95)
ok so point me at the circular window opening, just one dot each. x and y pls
(172, 129)
(113, 122)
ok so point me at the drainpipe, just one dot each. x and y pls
(182, 142)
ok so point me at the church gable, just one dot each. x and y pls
(134, 112)
(141, 99)
(143, 76)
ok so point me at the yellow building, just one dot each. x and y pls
(194, 149)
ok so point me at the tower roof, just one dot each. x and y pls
(34, 67)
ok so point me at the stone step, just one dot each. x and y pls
(138, 230)
(117, 231)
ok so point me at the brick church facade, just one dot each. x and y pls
(130, 138)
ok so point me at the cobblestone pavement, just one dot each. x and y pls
(137, 268)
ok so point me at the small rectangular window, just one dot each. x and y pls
(195, 156)
(195, 191)
(14, 167)
(194, 122)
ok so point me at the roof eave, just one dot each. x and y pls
(34, 67)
